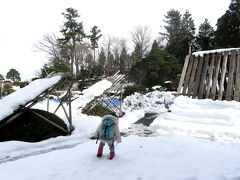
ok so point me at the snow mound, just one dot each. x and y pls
(201, 118)
(152, 101)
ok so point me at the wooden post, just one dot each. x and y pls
(187, 77)
(210, 77)
(121, 97)
(70, 107)
(237, 81)
(197, 80)
(223, 73)
(203, 78)
(215, 76)
(183, 74)
(229, 91)
(192, 77)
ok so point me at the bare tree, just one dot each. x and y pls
(49, 45)
(141, 37)
(82, 50)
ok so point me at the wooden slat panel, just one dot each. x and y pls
(203, 77)
(232, 68)
(183, 74)
(210, 77)
(237, 81)
(192, 76)
(223, 73)
(215, 76)
(187, 78)
(198, 75)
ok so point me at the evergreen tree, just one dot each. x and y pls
(136, 54)
(173, 31)
(110, 65)
(1, 77)
(14, 75)
(123, 59)
(55, 66)
(179, 34)
(158, 67)
(73, 33)
(228, 27)
(205, 37)
(94, 37)
(102, 62)
(187, 37)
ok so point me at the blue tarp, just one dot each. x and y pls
(115, 100)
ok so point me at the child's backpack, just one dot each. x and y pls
(107, 130)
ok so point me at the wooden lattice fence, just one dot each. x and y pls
(211, 74)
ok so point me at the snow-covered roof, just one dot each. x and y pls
(95, 90)
(12, 102)
(201, 53)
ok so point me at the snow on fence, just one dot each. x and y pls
(212, 74)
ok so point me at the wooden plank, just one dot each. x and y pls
(237, 80)
(229, 91)
(203, 77)
(187, 77)
(223, 73)
(192, 76)
(210, 77)
(183, 74)
(215, 76)
(198, 76)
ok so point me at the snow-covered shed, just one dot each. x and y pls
(212, 74)
(18, 121)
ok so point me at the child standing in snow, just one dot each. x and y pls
(108, 132)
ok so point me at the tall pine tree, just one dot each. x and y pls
(228, 27)
(73, 33)
(173, 31)
(94, 37)
(205, 37)
(179, 34)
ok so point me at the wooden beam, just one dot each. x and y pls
(48, 121)
(203, 77)
(179, 90)
(232, 66)
(215, 76)
(187, 77)
(223, 74)
(17, 114)
(210, 77)
(192, 76)
(197, 79)
(237, 80)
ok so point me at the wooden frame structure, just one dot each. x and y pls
(116, 80)
(211, 74)
(27, 106)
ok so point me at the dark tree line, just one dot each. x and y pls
(78, 52)
(180, 32)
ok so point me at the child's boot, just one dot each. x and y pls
(112, 154)
(100, 151)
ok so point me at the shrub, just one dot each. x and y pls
(129, 90)
(99, 110)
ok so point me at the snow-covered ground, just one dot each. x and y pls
(197, 140)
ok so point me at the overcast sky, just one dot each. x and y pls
(24, 23)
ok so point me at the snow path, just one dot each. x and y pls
(171, 157)
(22, 150)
